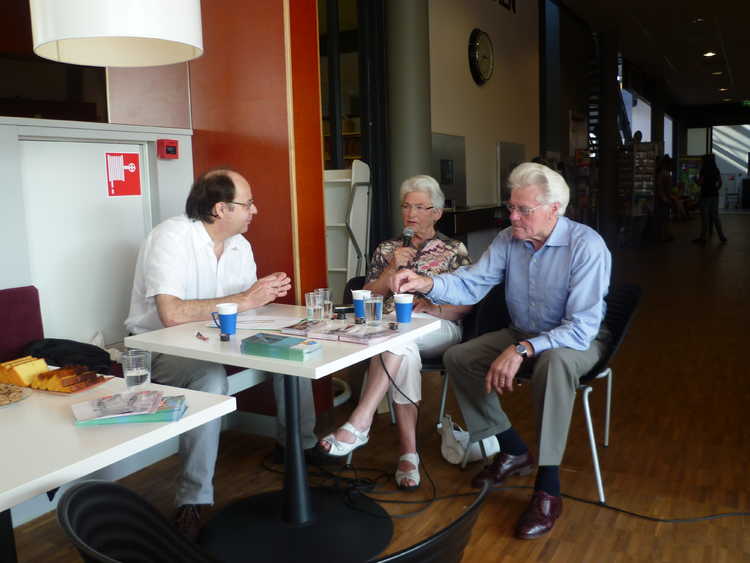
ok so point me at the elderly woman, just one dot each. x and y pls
(430, 252)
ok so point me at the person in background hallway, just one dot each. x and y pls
(709, 179)
(429, 251)
(556, 275)
(186, 266)
(663, 199)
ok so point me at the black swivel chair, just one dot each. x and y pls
(622, 302)
(447, 545)
(109, 523)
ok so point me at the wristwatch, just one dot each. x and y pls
(521, 350)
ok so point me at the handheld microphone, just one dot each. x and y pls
(407, 235)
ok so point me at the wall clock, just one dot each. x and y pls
(481, 56)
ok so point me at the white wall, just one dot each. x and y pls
(504, 109)
(170, 179)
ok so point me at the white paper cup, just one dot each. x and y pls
(226, 308)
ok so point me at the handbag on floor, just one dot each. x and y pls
(454, 440)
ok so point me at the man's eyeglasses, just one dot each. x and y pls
(522, 209)
(249, 204)
(417, 208)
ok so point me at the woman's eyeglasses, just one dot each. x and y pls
(417, 208)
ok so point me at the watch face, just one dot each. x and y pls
(521, 349)
(481, 56)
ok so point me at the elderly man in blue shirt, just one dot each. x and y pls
(556, 275)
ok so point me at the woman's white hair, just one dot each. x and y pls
(425, 184)
(552, 184)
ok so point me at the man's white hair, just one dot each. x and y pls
(552, 184)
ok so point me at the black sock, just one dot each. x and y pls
(548, 480)
(511, 443)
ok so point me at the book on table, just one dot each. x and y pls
(364, 334)
(128, 403)
(280, 346)
(300, 328)
(170, 409)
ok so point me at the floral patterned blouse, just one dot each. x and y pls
(438, 255)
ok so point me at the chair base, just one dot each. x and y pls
(253, 529)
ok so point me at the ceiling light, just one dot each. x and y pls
(726, 99)
(116, 33)
(697, 20)
(717, 72)
(723, 89)
(709, 54)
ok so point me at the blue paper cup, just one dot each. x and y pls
(225, 317)
(404, 305)
(358, 300)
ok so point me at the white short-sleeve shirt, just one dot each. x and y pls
(177, 258)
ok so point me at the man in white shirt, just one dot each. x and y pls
(186, 266)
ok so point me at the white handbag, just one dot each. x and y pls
(454, 440)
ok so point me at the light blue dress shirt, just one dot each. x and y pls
(555, 293)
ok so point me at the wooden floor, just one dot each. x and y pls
(679, 445)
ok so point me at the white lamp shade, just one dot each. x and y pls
(127, 33)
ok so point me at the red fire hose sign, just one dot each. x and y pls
(123, 174)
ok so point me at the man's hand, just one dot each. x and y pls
(502, 371)
(266, 290)
(406, 281)
(401, 257)
(422, 305)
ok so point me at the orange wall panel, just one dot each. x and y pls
(308, 143)
(239, 111)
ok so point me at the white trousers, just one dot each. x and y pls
(430, 346)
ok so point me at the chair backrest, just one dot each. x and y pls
(448, 544)
(20, 320)
(110, 523)
(357, 282)
(622, 303)
(490, 314)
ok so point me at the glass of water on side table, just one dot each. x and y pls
(136, 369)
(324, 298)
(314, 306)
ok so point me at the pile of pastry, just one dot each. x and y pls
(34, 372)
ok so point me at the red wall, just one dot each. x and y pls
(308, 143)
(238, 101)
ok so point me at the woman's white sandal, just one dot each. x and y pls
(411, 474)
(340, 449)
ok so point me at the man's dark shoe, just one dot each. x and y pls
(504, 465)
(187, 520)
(313, 456)
(539, 516)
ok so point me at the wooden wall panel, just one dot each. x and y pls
(238, 100)
(308, 144)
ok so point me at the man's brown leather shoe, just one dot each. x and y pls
(188, 520)
(539, 516)
(504, 465)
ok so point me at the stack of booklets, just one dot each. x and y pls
(280, 346)
(341, 330)
(122, 408)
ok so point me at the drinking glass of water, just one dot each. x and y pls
(324, 296)
(374, 309)
(136, 369)
(314, 305)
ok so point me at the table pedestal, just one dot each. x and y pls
(297, 523)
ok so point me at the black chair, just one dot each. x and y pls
(622, 302)
(355, 283)
(488, 315)
(110, 523)
(447, 545)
